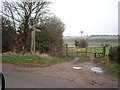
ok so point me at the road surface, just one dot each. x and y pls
(18, 79)
(60, 75)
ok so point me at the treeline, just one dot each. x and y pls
(17, 20)
(93, 40)
(95, 35)
(102, 40)
(101, 35)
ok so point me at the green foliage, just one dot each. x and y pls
(77, 44)
(114, 54)
(83, 43)
(33, 60)
(49, 40)
(22, 15)
(42, 41)
(8, 36)
(111, 67)
(106, 45)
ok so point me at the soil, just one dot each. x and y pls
(83, 76)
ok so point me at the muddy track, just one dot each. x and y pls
(84, 76)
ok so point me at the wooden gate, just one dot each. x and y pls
(97, 51)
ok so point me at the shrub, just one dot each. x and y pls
(106, 45)
(83, 43)
(77, 44)
(114, 54)
(102, 44)
(49, 40)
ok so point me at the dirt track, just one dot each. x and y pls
(83, 76)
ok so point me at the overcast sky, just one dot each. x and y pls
(91, 16)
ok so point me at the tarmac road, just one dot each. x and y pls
(20, 79)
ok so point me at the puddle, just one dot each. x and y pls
(77, 58)
(76, 67)
(96, 70)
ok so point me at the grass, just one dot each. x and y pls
(89, 49)
(34, 60)
(98, 44)
(93, 44)
(83, 58)
(76, 52)
(39, 61)
(42, 61)
(111, 67)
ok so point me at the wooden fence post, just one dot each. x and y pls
(66, 49)
(95, 52)
(86, 51)
(95, 55)
(104, 51)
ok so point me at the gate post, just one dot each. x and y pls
(95, 55)
(86, 51)
(66, 49)
(95, 52)
(104, 51)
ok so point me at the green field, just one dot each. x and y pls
(89, 50)
(93, 44)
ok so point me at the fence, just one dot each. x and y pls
(97, 51)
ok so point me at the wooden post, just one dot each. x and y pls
(95, 52)
(104, 51)
(86, 51)
(31, 42)
(33, 26)
(95, 55)
(34, 43)
(63, 50)
(66, 48)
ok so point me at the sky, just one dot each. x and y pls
(94, 17)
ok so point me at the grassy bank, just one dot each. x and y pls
(111, 67)
(34, 60)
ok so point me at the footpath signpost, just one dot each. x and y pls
(34, 29)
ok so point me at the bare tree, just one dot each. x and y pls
(19, 11)
(21, 14)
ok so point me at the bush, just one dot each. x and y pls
(106, 45)
(77, 44)
(49, 40)
(114, 54)
(83, 43)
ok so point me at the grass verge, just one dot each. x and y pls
(34, 60)
(111, 67)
